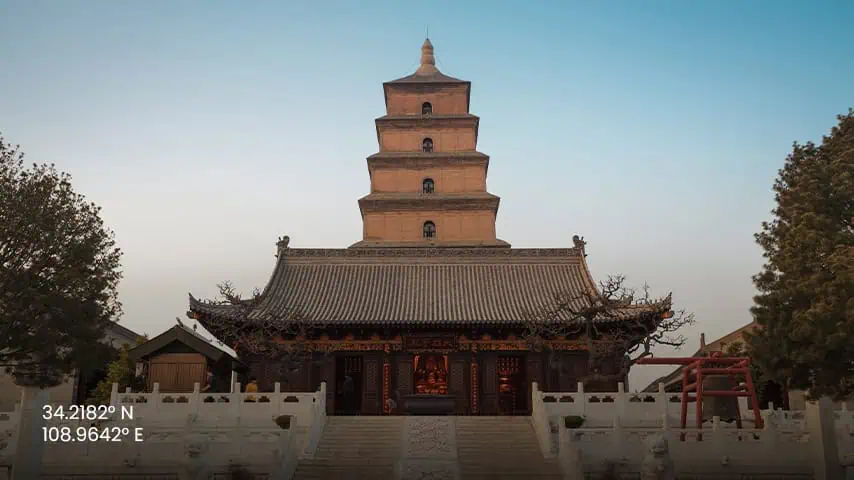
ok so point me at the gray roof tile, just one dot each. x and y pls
(419, 286)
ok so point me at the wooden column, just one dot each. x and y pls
(385, 390)
(474, 382)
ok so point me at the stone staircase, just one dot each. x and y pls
(368, 448)
(501, 448)
(357, 447)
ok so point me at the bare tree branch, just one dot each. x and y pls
(619, 325)
(282, 337)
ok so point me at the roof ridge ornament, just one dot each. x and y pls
(428, 60)
(282, 244)
(579, 243)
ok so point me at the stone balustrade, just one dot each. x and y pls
(165, 408)
(177, 432)
(619, 426)
(219, 430)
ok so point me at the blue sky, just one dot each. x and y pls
(208, 129)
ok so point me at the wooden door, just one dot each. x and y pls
(534, 372)
(459, 382)
(177, 372)
(371, 391)
(511, 385)
(489, 384)
(403, 381)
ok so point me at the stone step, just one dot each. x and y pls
(357, 437)
(343, 463)
(511, 447)
(499, 464)
(357, 444)
(493, 451)
(356, 455)
(509, 476)
(345, 468)
(346, 474)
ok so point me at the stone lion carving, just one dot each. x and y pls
(196, 466)
(657, 464)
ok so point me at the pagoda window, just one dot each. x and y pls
(426, 109)
(429, 230)
(427, 186)
(427, 145)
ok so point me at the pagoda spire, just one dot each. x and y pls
(428, 61)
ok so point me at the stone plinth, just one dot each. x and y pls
(429, 404)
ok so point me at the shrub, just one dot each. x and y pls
(283, 421)
(573, 421)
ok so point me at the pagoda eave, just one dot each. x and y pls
(427, 202)
(420, 160)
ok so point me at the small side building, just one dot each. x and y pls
(180, 357)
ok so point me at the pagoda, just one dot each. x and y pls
(428, 181)
(430, 303)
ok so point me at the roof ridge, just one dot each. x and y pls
(460, 252)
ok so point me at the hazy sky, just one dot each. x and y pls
(208, 129)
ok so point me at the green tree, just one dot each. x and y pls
(59, 270)
(805, 304)
(122, 370)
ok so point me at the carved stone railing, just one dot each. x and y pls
(820, 443)
(8, 437)
(541, 423)
(318, 423)
(166, 408)
(178, 432)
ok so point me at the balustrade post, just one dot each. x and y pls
(277, 397)
(236, 399)
(195, 399)
(621, 400)
(822, 440)
(582, 399)
(27, 463)
(617, 435)
(718, 437)
(155, 396)
(114, 395)
(322, 395)
(662, 399)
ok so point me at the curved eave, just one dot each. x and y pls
(199, 309)
(382, 202)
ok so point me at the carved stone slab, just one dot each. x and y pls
(429, 449)
(430, 438)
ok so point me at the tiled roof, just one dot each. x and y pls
(419, 286)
